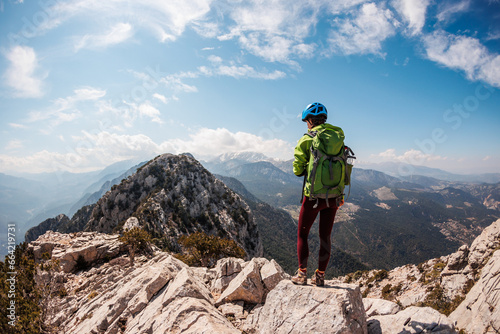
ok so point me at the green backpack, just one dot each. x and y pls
(329, 168)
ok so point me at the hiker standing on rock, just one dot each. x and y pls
(320, 156)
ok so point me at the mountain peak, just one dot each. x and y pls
(173, 195)
(244, 156)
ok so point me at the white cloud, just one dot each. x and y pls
(147, 110)
(117, 34)
(275, 30)
(493, 35)
(412, 156)
(364, 33)
(160, 97)
(22, 75)
(95, 151)
(340, 6)
(127, 113)
(17, 126)
(449, 9)
(464, 53)
(166, 19)
(212, 142)
(243, 71)
(14, 144)
(214, 59)
(175, 83)
(413, 12)
(65, 109)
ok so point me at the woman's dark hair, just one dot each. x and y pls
(318, 120)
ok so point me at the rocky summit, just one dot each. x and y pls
(160, 294)
(170, 196)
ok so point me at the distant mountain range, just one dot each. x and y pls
(28, 199)
(388, 221)
(404, 170)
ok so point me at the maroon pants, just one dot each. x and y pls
(308, 214)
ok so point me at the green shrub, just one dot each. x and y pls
(27, 295)
(201, 249)
(386, 291)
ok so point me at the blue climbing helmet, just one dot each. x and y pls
(314, 109)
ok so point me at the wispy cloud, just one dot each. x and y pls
(178, 82)
(493, 35)
(104, 148)
(117, 34)
(464, 53)
(275, 30)
(411, 156)
(23, 74)
(127, 113)
(413, 13)
(166, 19)
(64, 109)
(14, 144)
(160, 97)
(365, 32)
(17, 126)
(449, 9)
(240, 71)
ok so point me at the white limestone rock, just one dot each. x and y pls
(271, 274)
(67, 248)
(375, 306)
(246, 286)
(226, 270)
(412, 320)
(480, 311)
(298, 309)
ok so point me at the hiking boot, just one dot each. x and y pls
(318, 278)
(299, 278)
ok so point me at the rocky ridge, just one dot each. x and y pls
(170, 196)
(162, 294)
(464, 285)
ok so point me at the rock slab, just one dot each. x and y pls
(480, 311)
(412, 320)
(297, 309)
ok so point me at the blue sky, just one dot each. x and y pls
(87, 83)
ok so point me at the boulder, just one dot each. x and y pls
(484, 245)
(480, 311)
(301, 309)
(226, 270)
(99, 299)
(130, 223)
(185, 306)
(411, 320)
(246, 286)
(456, 261)
(233, 309)
(68, 248)
(184, 315)
(374, 306)
(271, 274)
(185, 284)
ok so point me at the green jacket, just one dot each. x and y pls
(303, 151)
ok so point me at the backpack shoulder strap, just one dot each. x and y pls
(311, 134)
